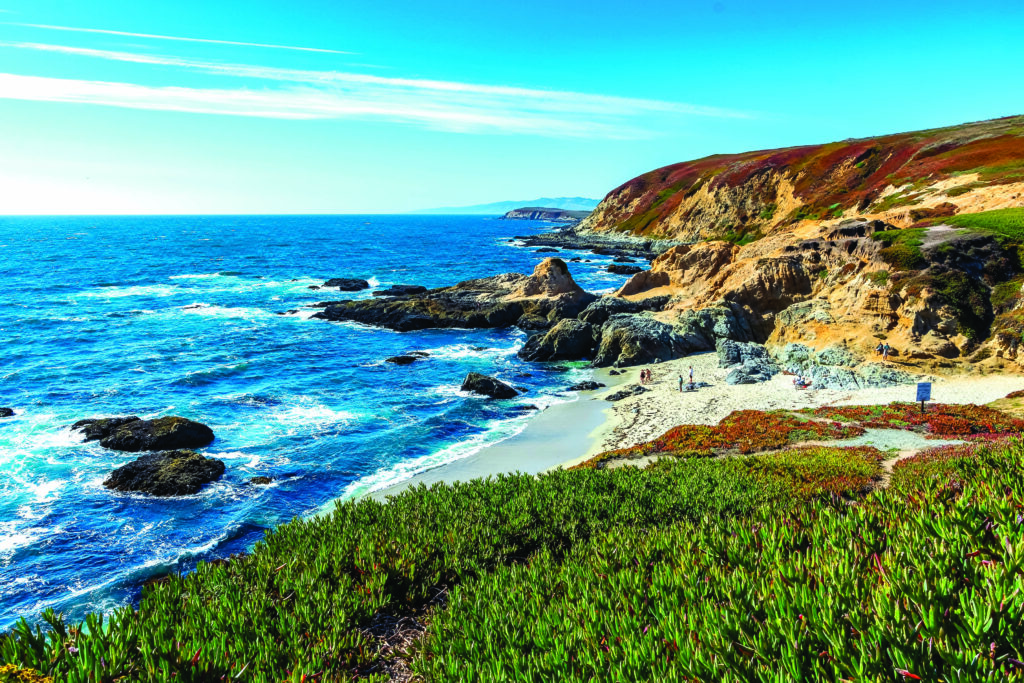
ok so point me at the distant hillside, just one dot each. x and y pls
(543, 213)
(963, 168)
(500, 208)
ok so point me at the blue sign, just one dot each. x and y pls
(924, 391)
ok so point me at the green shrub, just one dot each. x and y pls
(1006, 223)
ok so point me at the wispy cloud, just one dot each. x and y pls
(154, 36)
(312, 94)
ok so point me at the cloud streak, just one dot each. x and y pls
(155, 36)
(310, 94)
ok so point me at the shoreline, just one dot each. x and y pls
(551, 438)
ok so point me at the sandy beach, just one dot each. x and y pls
(646, 416)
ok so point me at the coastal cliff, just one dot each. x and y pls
(911, 240)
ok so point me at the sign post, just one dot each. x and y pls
(924, 393)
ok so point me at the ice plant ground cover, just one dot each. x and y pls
(939, 420)
(785, 565)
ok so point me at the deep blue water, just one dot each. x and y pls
(177, 316)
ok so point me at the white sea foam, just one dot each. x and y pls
(313, 415)
(195, 276)
(212, 311)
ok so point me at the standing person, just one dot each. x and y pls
(879, 349)
(885, 352)
(691, 375)
(680, 382)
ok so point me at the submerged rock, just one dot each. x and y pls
(166, 473)
(346, 284)
(402, 360)
(260, 481)
(487, 386)
(634, 390)
(133, 434)
(6, 412)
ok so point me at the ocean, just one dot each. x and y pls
(179, 315)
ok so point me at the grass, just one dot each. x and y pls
(773, 567)
(879, 278)
(902, 250)
(1005, 223)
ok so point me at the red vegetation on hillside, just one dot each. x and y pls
(939, 420)
(827, 178)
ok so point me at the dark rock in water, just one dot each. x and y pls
(487, 386)
(6, 412)
(585, 386)
(524, 375)
(101, 428)
(524, 408)
(260, 481)
(313, 287)
(347, 284)
(623, 270)
(575, 259)
(614, 372)
(401, 290)
(290, 311)
(402, 360)
(418, 354)
(167, 473)
(623, 259)
(634, 390)
(163, 433)
(545, 250)
(569, 339)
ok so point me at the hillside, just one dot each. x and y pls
(972, 167)
(914, 240)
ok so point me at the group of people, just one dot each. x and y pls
(645, 378)
(883, 350)
(801, 382)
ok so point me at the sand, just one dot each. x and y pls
(649, 415)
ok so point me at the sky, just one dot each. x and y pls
(362, 106)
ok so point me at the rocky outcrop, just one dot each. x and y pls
(6, 412)
(166, 473)
(487, 386)
(747, 363)
(401, 290)
(638, 339)
(603, 244)
(402, 360)
(132, 434)
(539, 213)
(498, 301)
(569, 339)
(346, 284)
(619, 269)
(836, 367)
(605, 307)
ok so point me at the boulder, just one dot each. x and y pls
(6, 412)
(346, 284)
(260, 481)
(163, 433)
(533, 322)
(487, 386)
(747, 373)
(401, 290)
(585, 386)
(618, 269)
(748, 363)
(569, 339)
(545, 250)
(402, 360)
(638, 339)
(607, 306)
(634, 390)
(96, 429)
(166, 473)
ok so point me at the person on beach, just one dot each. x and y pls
(885, 352)
(680, 382)
(879, 349)
(691, 376)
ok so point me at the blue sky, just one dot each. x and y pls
(315, 106)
